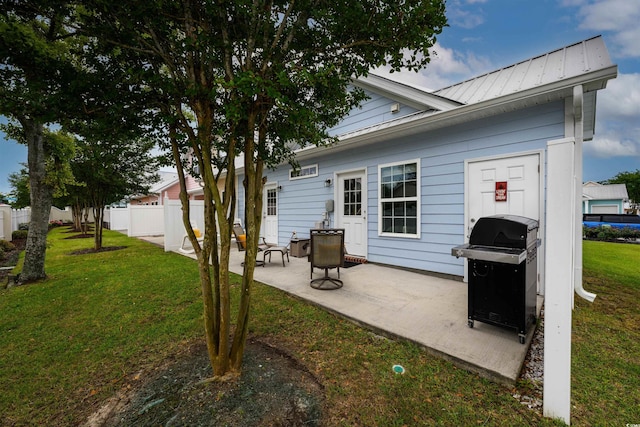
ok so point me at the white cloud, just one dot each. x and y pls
(620, 101)
(447, 67)
(617, 124)
(461, 16)
(618, 17)
(605, 147)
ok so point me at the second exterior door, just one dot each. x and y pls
(351, 211)
(270, 214)
(504, 185)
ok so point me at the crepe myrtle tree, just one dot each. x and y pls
(252, 81)
(107, 171)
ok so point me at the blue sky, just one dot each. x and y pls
(485, 35)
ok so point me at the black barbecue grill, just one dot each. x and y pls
(503, 272)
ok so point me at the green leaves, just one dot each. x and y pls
(632, 182)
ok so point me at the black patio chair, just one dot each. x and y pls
(327, 252)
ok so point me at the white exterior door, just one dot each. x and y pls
(351, 211)
(269, 229)
(504, 185)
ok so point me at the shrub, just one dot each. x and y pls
(1, 254)
(6, 246)
(19, 234)
(23, 226)
(610, 233)
(55, 223)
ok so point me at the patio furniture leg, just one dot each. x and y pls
(319, 283)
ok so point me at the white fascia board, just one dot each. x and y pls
(408, 95)
(429, 121)
(165, 185)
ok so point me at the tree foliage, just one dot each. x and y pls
(107, 172)
(36, 79)
(250, 81)
(632, 182)
(19, 182)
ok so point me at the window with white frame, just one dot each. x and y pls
(303, 172)
(399, 199)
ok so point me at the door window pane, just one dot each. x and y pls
(271, 202)
(352, 197)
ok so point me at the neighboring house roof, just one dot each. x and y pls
(165, 183)
(604, 192)
(546, 78)
(167, 179)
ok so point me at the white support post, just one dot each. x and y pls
(559, 261)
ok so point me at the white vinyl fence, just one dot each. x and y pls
(146, 221)
(5, 222)
(20, 216)
(10, 219)
(137, 221)
(174, 231)
(64, 215)
(118, 218)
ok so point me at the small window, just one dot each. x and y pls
(304, 172)
(399, 199)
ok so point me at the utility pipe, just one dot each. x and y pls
(578, 113)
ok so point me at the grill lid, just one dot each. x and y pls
(506, 231)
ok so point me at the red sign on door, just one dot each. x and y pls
(501, 191)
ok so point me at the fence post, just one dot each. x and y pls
(5, 222)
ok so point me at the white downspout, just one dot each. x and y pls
(579, 135)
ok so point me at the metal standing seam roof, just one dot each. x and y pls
(605, 192)
(544, 78)
(542, 71)
(570, 61)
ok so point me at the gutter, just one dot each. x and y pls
(578, 132)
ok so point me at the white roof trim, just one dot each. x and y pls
(420, 122)
(409, 95)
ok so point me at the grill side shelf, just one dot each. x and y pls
(484, 253)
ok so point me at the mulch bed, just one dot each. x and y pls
(78, 236)
(93, 251)
(274, 389)
(11, 258)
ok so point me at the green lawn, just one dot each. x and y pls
(71, 342)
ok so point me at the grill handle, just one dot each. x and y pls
(470, 227)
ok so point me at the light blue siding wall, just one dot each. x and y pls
(375, 110)
(442, 154)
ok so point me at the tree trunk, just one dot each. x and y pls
(253, 182)
(85, 223)
(98, 215)
(41, 199)
(76, 211)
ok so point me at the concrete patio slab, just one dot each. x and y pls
(428, 310)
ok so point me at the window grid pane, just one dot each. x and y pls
(399, 199)
(271, 202)
(352, 197)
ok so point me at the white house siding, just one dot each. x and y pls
(442, 154)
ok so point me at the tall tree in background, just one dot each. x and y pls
(19, 182)
(632, 182)
(252, 80)
(108, 171)
(35, 74)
